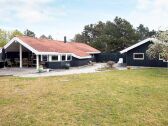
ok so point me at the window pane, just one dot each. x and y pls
(69, 57)
(161, 57)
(44, 58)
(63, 57)
(138, 56)
(55, 58)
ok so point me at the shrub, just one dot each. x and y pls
(128, 67)
(40, 69)
(110, 64)
(91, 63)
(67, 66)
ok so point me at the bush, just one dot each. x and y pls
(128, 67)
(91, 63)
(110, 64)
(40, 69)
(67, 66)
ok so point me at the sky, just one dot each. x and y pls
(61, 18)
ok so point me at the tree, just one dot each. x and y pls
(152, 33)
(3, 37)
(29, 33)
(143, 32)
(124, 34)
(160, 47)
(109, 36)
(43, 37)
(50, 37)
(78, 38)
(15, 33)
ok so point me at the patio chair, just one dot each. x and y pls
(30, 63)
(25, 62)
(9, 63)
(43, 64)
(17, 62)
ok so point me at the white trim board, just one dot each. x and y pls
(134, 58)
(56, 53)
(162, 59)
(93, 52)
(16, 39)
(138, 44)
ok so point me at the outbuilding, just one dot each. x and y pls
(135, 55)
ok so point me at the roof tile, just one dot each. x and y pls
(44, 45)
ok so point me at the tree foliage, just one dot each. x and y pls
(5, 36)
(43, 37)
(29, 33)
(160, 47)
(50, 37)
(15, 33)
(144, 32)
(112, 36)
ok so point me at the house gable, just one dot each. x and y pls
(138, 44)
(53, 47)
(146, 61)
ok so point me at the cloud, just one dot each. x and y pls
(152, 13)
(65, 17)
(30, 11)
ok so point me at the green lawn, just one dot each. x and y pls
(114, 98)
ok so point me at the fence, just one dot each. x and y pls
(104, 57)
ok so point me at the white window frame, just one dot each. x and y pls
(54, 60)
(138, 58)
(42, 58)
(67, 57)
(162, 59)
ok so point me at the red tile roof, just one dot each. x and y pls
(44, 45)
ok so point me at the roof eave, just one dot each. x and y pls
(22, 43)
(94, 52)
(81, 57)
(137, 44)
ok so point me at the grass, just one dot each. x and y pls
(118, 98)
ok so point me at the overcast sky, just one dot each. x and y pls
(68, 17)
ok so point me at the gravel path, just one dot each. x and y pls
(32, 72)
(75, 70)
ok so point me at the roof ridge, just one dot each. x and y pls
(137, 44)
(45, 45)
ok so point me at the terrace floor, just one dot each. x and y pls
(32, 72)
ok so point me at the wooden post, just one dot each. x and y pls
(20, 51)
(37, 61)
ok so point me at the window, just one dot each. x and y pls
(138, 56)
(44, 58)
(63, 57)
(69, 57)
(92, 55)
(162, 58)
(54, 58)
